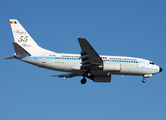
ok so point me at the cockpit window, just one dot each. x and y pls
(151, 63)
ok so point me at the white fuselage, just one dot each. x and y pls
(72, 63)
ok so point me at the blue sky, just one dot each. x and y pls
(113, 27)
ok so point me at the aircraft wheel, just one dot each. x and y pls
(83, 81)
(143, 80)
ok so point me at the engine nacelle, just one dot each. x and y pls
(101, 78)
(111, 67)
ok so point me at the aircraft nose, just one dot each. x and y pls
(160, 69)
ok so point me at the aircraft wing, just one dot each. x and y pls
(90, 59)
(89, 56)
(69, 75)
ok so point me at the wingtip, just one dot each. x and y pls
(80, 38)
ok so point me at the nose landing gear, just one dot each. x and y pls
(143, 80)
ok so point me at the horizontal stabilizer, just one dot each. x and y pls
(20, 52)
(13, 57)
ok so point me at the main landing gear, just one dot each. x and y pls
(83, 81)
(143, 80)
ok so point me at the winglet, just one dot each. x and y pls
(80, 38)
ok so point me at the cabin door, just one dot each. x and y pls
(142, 63)
(44, 59)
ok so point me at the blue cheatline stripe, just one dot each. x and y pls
(49, 58)
(73, 59)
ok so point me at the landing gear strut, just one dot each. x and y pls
(143, 80)
(83, 81)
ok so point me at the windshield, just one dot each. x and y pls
(151, 63)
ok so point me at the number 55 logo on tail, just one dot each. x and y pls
(23, 39)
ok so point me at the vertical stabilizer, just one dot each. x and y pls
(23, 39)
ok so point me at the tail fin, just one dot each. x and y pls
(24, 40)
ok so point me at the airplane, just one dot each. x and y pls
(88, 64)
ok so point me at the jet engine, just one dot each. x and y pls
(101, 78)
(110, 67)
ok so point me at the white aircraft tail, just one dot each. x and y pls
(24, 45)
